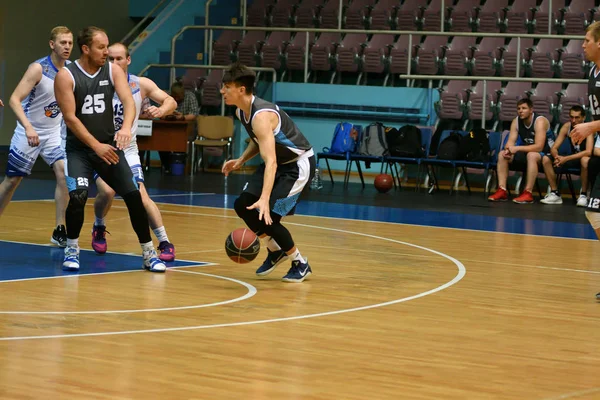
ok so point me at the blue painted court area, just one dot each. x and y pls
(45, 190)
(40, 261)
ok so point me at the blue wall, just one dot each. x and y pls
(140, 8)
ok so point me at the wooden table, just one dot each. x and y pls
(167, 136)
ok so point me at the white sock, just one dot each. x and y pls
(73, 243)
(272, 244)
(296, 256)
(99, 222)
(147, 246)
(161, 234)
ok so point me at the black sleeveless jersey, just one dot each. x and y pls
(93, 103)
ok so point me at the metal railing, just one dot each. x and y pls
(208, 49)
(139, 24)
(485, 79)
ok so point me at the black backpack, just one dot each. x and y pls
(405, 142)
(448, 148)
(475, 146)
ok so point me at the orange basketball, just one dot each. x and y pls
(383, 183)
(242, 245)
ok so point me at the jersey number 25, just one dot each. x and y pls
(93, 104)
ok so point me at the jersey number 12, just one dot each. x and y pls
(93, 104)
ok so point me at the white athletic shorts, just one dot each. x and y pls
(22, 156)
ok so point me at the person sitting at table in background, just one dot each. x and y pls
(187, 110)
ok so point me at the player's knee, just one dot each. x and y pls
(584, 162)
(594, 219)
(78, 197)
(546, 160)
(533, 156)
(241, 203)
(13, 181)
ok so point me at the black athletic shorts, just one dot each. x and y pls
(290, 180)
(80, 165)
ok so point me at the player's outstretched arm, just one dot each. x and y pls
(167, 103)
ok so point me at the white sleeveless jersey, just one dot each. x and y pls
(40, 106)
(136, 91)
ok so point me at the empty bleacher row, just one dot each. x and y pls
(519, 16)
(461, 100)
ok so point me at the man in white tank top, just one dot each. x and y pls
(38, 131)
(141, 88)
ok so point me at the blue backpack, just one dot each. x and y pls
(345, 138)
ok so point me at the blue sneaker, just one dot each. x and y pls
(152, 263)
(274, 258)
(71, 262)
(298, 272)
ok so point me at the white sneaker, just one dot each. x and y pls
(71, 261)
(582, 200)
(551, 198)
(152, 263)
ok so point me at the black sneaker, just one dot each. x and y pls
(274, 258)
(597, 296)
(298, 272)
(59, 236)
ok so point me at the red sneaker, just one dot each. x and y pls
(525, 198)
(500, 195)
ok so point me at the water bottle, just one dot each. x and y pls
(317, 182)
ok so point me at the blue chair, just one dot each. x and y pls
(393, 162)
(436, 161)
(327, 155)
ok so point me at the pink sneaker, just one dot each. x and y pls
(99, 239)
(167, 251)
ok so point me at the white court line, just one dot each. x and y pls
(460, 275)
(575, 394)
(251, 292)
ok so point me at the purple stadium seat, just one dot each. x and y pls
(282, 13)
(542, 14)
(357, 13)
(273, 48)
(545, 99)
(574, 94)
(429, 54)
(432, 15)
(383, 14)
(578, 16)
(295, 51)
(453, 99)
(376, 53)
(323, 51)
(544, 58)
(408, 16)
(507, 102)
(487, 56)
(458, 56)
(211, 89)
(491, 16)
(520, 16)
(330, 13)
(463, 16)
(508, 64)
(258, 12)
(307, 13)
(225, 46)
(572, 64)
(349, 52)
(193, 78)
(474, 105)
(401, 55)
(250, 46)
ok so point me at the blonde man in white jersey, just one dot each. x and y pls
(141, 88)
(38, 130)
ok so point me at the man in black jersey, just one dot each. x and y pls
(273, 190)
(523, 149)
(84, 91)
(579, 158)
(591, 49)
